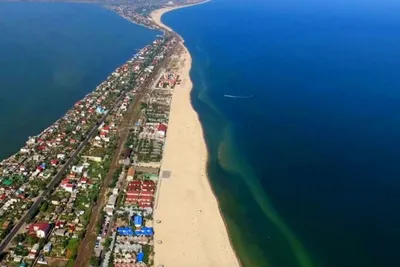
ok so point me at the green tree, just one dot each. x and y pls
(31, 240)
(94, 261)
(107, 242)
(20, 237)
(44, 206)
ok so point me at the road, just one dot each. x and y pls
(57, 178)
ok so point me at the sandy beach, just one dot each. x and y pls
(192, 230)
(157, 14)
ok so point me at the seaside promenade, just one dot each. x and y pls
(192, 229)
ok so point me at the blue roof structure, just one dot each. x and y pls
(147, 231)
(140, 257)
(125, 231)
(100, 110)
(138, 221)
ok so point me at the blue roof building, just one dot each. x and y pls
(125, 231)
(146, 231)
(138, 221)
(100, 110)
(140, 257)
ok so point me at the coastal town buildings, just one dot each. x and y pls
(48, 190)
(62, 186)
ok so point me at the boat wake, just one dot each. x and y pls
(239, 96)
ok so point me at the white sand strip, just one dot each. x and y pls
(192, 230)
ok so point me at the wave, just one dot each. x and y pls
(239, 96)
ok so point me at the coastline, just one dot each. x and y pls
(156, 15)
(191, 220)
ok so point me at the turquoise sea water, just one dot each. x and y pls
(53, 54)
(307, 171)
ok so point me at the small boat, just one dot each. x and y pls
(239, 96)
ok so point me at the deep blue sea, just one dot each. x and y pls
(53, 54)
(307, 172)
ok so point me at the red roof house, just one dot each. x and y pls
(40, 229)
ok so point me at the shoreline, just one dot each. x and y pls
(157, 14)
(193, 138)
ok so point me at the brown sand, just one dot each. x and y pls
(192, 230)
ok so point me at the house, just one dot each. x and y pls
(60, 156)
(93, 158)
(100, 110)
(147, 199)
(125, 231)
(131, 199)
(40, 229)
(115, 191)
(104, 137)
(17, 258)
(24, 150)
(47, 248)
(60, 232)
(69, 187)
(145, 205)
(127, 152)
(59, 224)
(131, 173)
(138, 221)
(133, 193)
(6, 225)
(35, 248)
(32, 255)
(31, 141)
(109, 211)
(84, 180)
(111, 201)
(77, 169)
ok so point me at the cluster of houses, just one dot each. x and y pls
(168, 80)
(140, 193)
(151, 130)
(133, 226)
(58, 225)
(139, 11)
(134, 232)
(134, 195)
(136, 12)
(132, 239)
(63, 215)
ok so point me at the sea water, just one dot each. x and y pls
(307, 171)
(52, 55)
